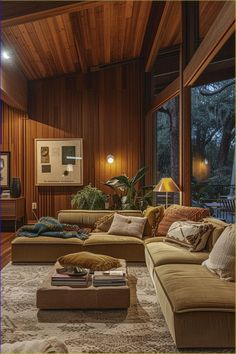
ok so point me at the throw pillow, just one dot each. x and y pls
(154, 216)
(218, 228)
(177, 213)
(104, 223)
(89, 260)
(222, 257)
(193, 235)
(127, 225)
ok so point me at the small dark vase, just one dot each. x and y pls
(15, 187)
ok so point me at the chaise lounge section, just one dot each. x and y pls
(198, 306)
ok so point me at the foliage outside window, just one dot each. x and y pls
(213, 140)
(167, 144)
(167, 141)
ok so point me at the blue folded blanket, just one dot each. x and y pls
(47, 226)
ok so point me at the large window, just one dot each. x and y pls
(167, 143)
(213, 145)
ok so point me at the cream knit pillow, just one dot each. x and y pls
(222, 257)
(190, 234)
(127, 226)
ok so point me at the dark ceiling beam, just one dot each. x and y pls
(158, 35)
(220, 31)
(13, 9)
(156, 11)
(56, 11)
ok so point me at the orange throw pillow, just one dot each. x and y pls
(180, 213)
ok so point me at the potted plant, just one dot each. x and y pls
(125, 188)
(89, 198)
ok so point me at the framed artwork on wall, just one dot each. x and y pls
(59, 162)
(5, 170)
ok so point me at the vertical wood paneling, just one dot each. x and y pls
(104, 108)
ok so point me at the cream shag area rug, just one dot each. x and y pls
(141, 329)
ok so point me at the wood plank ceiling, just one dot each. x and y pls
(100, 34)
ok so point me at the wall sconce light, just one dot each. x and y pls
(110, 159)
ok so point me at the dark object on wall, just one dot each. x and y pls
(15, 187)
(5, 170)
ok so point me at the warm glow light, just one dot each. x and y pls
(110, 159)
(70, 168)
(5, 55)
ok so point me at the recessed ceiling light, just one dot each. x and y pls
(5, 55)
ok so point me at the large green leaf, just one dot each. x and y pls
(139, 175)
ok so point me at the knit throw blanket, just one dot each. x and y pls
(47, 226)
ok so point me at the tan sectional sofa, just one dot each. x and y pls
(199, 308)
(47, 249)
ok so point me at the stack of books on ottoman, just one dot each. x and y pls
(73, 278)
(109, 278)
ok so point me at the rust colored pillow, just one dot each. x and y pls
(180, 213)
(89, 260)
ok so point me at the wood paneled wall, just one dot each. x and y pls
(105, 108)
(13, 85)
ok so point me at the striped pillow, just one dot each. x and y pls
(180, 213)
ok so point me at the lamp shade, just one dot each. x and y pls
(166, 184)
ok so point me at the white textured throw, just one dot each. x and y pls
(50, 345)
(222, 257)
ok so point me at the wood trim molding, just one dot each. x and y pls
(158, 36)
(221, 30)
(169, 92)
(77, 6)
(218, 34)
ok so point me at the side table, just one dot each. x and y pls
(13, 209)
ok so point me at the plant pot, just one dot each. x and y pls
(15, 187)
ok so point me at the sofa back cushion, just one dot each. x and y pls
(222, 257)
(190, 234)
(218, 228)
(127, 225)
(88, 218)
(180, 213)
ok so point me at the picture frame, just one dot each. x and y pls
(5, 169)
(59, 162)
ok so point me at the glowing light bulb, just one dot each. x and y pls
(110, 159)
(5, 55)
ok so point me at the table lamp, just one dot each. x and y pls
(166, 185)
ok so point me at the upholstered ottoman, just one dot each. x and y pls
(64, 297)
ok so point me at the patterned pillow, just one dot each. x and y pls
(104, 223)
(218, 228)
(193, 235)
(222, 257)
(178, 213)
(154, 216)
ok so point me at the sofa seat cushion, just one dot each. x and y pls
(165, 253)
(47, 240)
(194, 288)
(103, 238)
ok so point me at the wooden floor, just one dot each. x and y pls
(6, 238)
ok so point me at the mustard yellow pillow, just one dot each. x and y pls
(104, 223)
(154, 214)
(89, 260)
